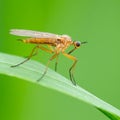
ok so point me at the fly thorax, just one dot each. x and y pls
(66, 37)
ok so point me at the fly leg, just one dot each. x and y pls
(54, 56)
(72, 67)
(51, 48)
(56, 63)
(34, 52)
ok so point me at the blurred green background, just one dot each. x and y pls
(98, 69)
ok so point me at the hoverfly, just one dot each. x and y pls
(56, 44)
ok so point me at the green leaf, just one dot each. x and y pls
(32, 70)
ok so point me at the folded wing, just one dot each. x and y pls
(31, 33)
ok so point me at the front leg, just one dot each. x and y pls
(72, 67)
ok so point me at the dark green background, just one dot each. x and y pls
(98, 69)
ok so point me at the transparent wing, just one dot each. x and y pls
(31, 33)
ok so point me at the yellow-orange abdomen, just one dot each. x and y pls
(40, 41)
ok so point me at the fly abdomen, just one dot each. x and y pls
(40, 41)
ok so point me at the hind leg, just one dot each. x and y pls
(33, 53)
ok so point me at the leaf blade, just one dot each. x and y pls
(32, 70)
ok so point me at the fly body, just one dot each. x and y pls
(56, 44)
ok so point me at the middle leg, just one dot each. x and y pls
(53, 57)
